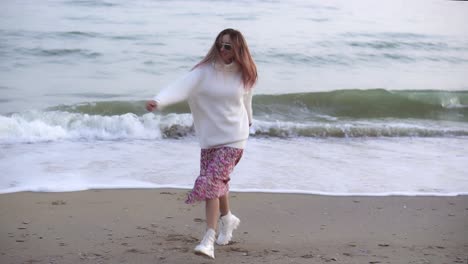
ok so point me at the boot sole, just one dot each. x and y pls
(202, 254)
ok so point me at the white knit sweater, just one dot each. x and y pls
(220, 105)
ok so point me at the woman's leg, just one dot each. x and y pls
(224, 204)
(212, 213)
(206, 246)
(228, 223)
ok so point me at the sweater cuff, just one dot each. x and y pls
(158, 103)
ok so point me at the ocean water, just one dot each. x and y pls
(354, 97)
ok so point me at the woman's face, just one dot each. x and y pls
(226, 49)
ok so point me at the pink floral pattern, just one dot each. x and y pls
(216, 164)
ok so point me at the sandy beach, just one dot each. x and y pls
(155, 226)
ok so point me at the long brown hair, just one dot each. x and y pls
(241, 56)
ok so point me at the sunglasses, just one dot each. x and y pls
(226, 46)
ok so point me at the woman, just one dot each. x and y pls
(219, 92)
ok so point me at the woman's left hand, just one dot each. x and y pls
(151, 105)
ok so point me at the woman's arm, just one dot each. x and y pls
(177, 91)
(248, 105)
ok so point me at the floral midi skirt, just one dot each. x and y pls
(216, 164)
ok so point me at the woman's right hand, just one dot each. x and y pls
(151, 105)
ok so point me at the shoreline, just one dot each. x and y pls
(257, 191)
(155, 226)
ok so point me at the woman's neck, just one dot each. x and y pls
(222, 65)
(228, 61)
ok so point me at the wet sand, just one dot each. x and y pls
(155, 226)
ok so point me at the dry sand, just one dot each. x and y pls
(155, 226)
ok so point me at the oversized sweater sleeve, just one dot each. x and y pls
(179, 90)
(248, 105)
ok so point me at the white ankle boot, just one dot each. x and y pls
(227, 224)
(206, 246)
